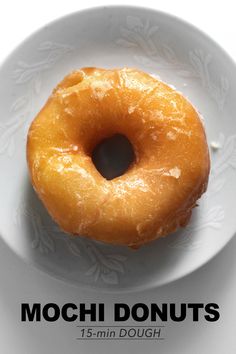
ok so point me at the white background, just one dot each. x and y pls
(215, 282)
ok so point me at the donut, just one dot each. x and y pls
(156, 194)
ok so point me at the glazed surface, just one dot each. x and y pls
(157, 193)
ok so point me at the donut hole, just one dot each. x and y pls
(113, 156)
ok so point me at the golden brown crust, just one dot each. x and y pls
(156, 195)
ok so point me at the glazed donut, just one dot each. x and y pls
(158, 191)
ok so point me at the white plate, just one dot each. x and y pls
(115, 37)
